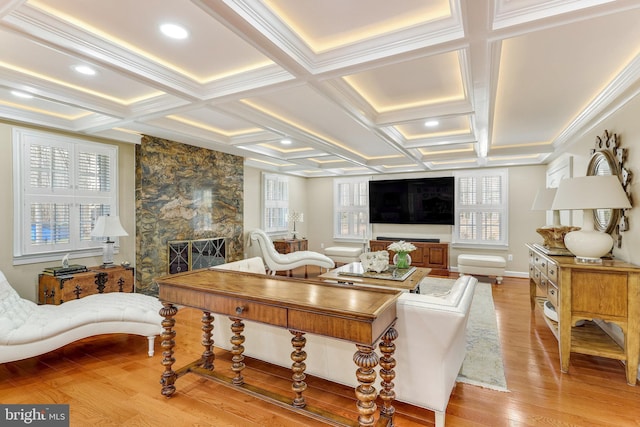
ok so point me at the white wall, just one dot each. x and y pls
(625, 123)
(523, 185)
(252, 205)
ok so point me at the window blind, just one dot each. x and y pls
(63, 185)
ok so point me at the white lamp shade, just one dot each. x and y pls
(544, 199)
(591, 192)
(588, 193)
(108, 226)
(296, 216)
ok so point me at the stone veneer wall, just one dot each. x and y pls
(184, 193)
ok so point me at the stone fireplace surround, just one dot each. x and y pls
(184, 193)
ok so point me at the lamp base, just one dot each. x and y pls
(553, 235)
(587, 260)
(108, 265)
(588, 245)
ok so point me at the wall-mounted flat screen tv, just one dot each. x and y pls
(412, 201)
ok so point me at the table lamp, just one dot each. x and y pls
(296, 216)
(554, 234)
(589, 193)
(108, 227)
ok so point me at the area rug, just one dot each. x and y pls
(482, 365)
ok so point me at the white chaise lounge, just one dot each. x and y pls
(281, 262)
(28, 329)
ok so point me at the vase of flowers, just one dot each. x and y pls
(401, 259)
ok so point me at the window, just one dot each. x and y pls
(482, 207)
(351, 208)
(275, 200)
(62, 185)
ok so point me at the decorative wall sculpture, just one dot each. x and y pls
(184, 193)
(607, 158)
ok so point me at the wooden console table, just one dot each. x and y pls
(609, 291)
(360, 315)
(427, 254)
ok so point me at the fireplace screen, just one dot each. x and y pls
(186, 255)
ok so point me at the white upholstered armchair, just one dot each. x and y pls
(276, 261)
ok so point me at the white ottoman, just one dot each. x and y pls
(343, 254)
(482, 265)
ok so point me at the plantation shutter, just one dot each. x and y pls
(481, 208)
(275, 199)
(64, 184)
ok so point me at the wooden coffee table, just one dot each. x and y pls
(345, 275)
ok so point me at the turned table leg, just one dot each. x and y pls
(207, 340)
(237, 327)
(168, 334)
(298, 367)
(387, 363)
(366, 359)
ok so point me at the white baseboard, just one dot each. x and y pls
(520, 274)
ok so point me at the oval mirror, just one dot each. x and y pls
(604, 163)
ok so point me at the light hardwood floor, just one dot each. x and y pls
(109, 381)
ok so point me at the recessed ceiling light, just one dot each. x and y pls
(174, 31)
(431, 123)
(85, 69)
(285, 141)
(21, 94)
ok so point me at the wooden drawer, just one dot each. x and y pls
(552, 295)
(237, 307)
(541, 264)
(552, 272)
(542, 286)
(536, 276)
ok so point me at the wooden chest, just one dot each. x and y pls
(286, 246)
(58, 289)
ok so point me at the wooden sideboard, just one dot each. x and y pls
(427, 254)
(583, 292)
(58, 289)
(286, 246)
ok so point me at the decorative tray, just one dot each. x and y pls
(391, 273)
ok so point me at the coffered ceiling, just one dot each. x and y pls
(351, 84)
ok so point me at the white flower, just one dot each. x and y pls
(401, 246)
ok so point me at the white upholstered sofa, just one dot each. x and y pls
(28, 329)
(430, 348)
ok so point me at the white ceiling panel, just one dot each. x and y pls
(350, 83)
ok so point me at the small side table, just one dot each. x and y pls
(58, 289)
(286, 246)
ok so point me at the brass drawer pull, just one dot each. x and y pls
(239, 310)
